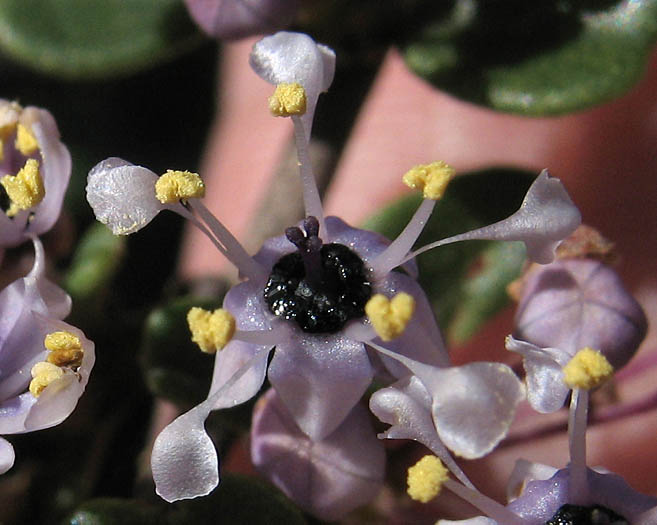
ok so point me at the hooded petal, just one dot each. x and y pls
(294, 57)
(184, 461)
(473, 405)
(406, 406)
(239, 18)
(523, 472)
(546, 217)
(122, 195)
(546, 390)
(319, 379)
(327, 478)
(7, 456)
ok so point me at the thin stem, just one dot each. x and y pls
(311, 199)
(488, 506)
(577, 485)
(235, 252)
(395, 254)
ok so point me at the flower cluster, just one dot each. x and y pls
(323, 297)
(44, 362)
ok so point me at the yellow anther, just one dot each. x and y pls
(588, 369)
(65, 349)
(26, 142)
(425, 479)
(43, 374)
(288, 100)
(432, 179)
(390, 317)
(25, 189)
(174, 186)
(211, 331)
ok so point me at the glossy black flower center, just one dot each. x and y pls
(578, 515)
(321, 286)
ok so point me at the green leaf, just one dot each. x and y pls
(453, 276)
(95, 262)
(115, 511)
(85, 38)
(535, 58)
(238, 500)
(174, 367)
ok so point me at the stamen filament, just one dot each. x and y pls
(311, 198)
(234, 251)
(578, 490)
(394, 255)
(488, 506)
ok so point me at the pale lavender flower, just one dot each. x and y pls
(29, 142)
(566, 306)
(329, 477)
(31, 310)
(228, 19)
(304, 292)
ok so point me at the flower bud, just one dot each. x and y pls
(574, 303)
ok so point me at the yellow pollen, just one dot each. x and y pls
(65, 349)
(588, 369)
(25, 189)
(174, 186)
(288, 100)
(211, 331)
(425, 479)
(43, 374)
(432, 179)
(26, 142)
(390, 317)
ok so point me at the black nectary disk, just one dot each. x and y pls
(339, 295)
(579, 515)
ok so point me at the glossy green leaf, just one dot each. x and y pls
(535, 58)
(97, 257)
(83, 38)
(174, 367)
(465, 282)
(238, 500)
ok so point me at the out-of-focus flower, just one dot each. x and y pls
(568, 305)
(329, 477)
(228, 19)
(35, 168)
(44, 362)
(305, 292)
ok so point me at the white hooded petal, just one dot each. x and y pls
(122, 195)
(184, 461)
(473, 405)
(545, 217)
(7, 456)
(546, 391)
(294, 57)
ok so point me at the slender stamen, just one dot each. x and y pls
(488, 506)
(270, 337)
(578, 491)
(234, 251)
(311, 199)
(394, 255)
